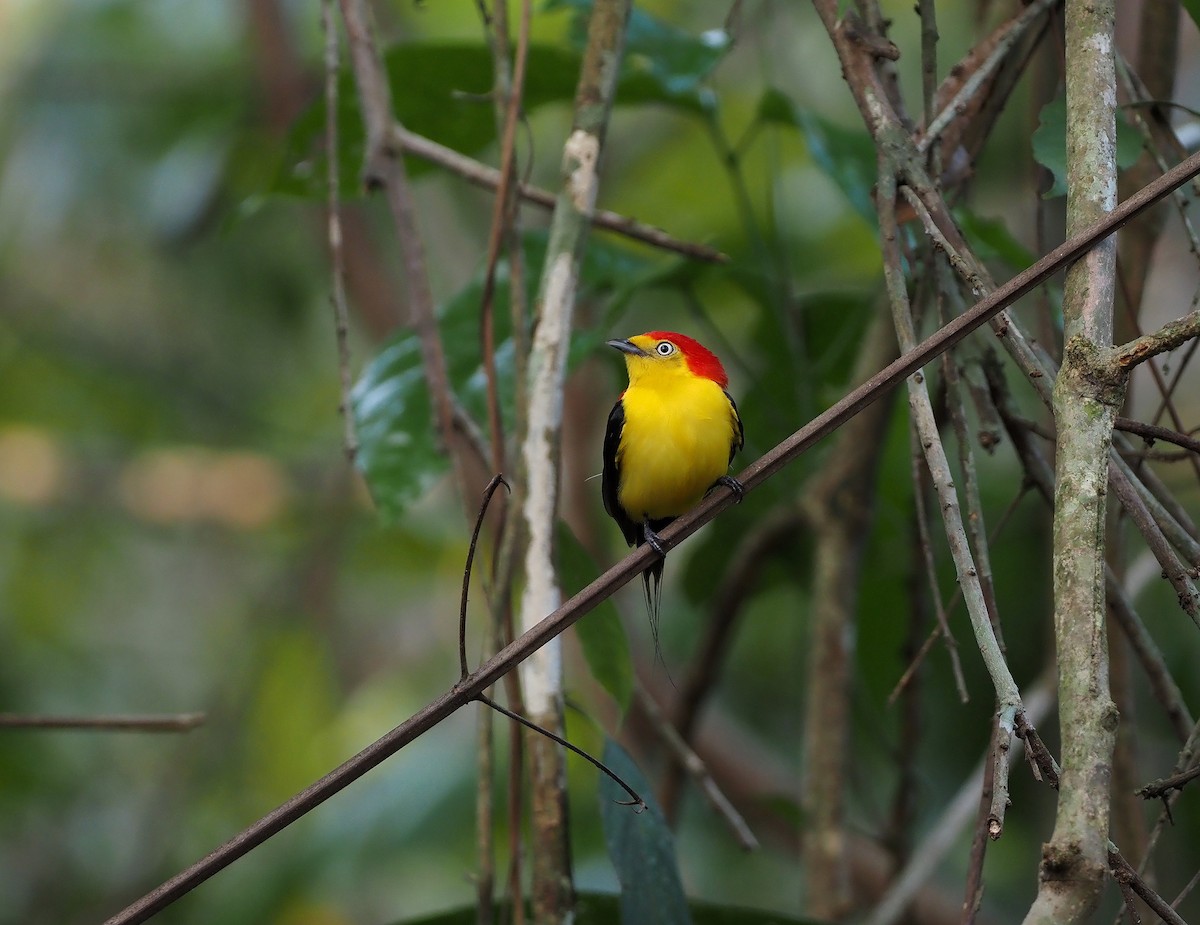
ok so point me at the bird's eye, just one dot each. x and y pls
(665, 349)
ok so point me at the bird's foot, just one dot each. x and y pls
(733, 485)
(652, 538)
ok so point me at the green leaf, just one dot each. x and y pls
(439, 91)
(674, 61)
(846, 156)
(1050, 144)
(641, 847)
(991, 240)
(398, 448)
(436, 92)
(600, 633)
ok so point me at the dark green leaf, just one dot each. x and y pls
(1050, 144)
(846, 156)
(398, 451)
(601, 634)
(641, 848)
(439, 91)
(991, 240)
(676, 61)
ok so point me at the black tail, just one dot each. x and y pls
(652, 586)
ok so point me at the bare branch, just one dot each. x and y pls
(496, 482)
(1170, 336)
(635, 800)
(489, 178)
(1189, 597)
(752, 552)
(689, 761)
(157, 722)
(341, 314)
(1123, 873)
(1164, 785)
(945, 831)
(1152, 432)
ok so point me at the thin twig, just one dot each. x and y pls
(1173, 569)
(164, 722)
(1179, 535)
(943, 623)
(1164, 785)
(1154, 485)
(1152, 432)
(635, 800)
(1178, 377)
(1006, 689)
(503, 210)
(1187, 755)
(945, 831)
(1166, 691)
(1004, 46)
(956, 401)
(636, 561)
(1124, 873)
(731, 594)
(496, 482)
(1183, 894)
(695, 767)
(1045, 768)
(341, 314)
(1170, 336)
(489, 178)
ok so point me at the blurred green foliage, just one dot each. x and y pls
(179, 529)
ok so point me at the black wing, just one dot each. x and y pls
(611, 479)
(739, 437)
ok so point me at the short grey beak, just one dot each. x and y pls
(627, 347)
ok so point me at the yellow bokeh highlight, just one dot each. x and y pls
(186, 484)
(32, 469)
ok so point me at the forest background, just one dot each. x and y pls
(181, 531)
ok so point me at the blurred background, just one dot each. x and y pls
(180, 529)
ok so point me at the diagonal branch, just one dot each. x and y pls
(1170, 336)
(488, 177)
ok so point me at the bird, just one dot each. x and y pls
(670, 439)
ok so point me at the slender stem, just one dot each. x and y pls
(489, 178)
(635, 800)
(946, 829)
(1007, 693)
(693, 764)
(165, 722)
(496, 482)
(341, 314)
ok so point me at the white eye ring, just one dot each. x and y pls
(665, 349)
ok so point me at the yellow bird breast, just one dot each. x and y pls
(674, 444)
